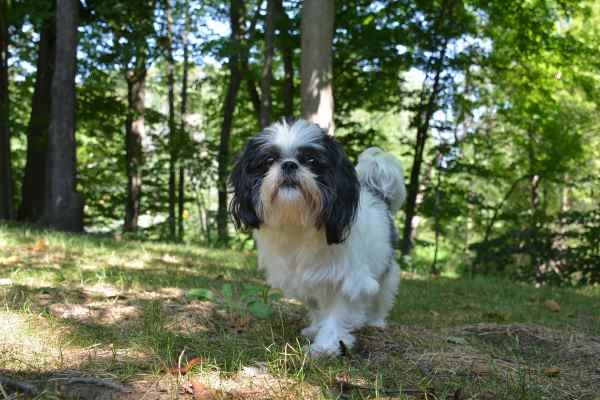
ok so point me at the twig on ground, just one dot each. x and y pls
(347, 386)
(3, 392)
(21, 386)
(179, 366)
(92, 381)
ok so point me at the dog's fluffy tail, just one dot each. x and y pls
(382, 174)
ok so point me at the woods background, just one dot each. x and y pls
(125, 115)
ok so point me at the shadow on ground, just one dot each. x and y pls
(99, 319)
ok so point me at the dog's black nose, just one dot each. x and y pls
(289, 166)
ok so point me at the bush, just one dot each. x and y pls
(565, 250)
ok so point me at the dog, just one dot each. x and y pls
(323, 228)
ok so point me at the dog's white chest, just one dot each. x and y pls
(296, 262)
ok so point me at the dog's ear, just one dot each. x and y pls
(245, 190)
(342, 195)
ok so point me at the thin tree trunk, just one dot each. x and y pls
(251, 87)
(6, 211)
(34, 180)
(236, 16)
(536, 211)
(255, 98)
(316, 62)
(183, 130)
(267, 70)
(534, 181)
(287, 54)
(134, 136)
(64, 205)
(423, 122)
(566, 196)
(172, 139)
(427, 108)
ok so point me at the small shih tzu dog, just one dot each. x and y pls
(324, 230)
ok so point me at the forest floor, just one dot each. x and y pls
(92, 318)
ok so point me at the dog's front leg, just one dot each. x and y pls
(314, 314)
(339, 318)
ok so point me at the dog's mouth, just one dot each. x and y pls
(288, 183)
(286, 186)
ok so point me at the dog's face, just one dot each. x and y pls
(295, 176)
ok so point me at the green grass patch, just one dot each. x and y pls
(138, 314)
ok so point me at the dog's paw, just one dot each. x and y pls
(316, 350)
(332, 346)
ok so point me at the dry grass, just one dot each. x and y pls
(103, 319)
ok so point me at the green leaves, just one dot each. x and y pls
(201, 294)
(252, 299)
(260, 309)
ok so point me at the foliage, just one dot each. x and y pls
(564, 251)
(254, 300)
(513, 144)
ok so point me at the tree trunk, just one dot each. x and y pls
(64, 207)
(267, 70)
(316, 62)
(172, 139)
(251, 87)
(566, 196)
(534, 180)
(134, 135)
(426, 112)
(34, 180)
(287, 54)
(6, 211)
(183, 130)
(236, 16)
(247, 74)
(426, 109)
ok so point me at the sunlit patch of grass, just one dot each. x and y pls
(86, 306)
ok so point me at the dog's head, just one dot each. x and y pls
(295, 176)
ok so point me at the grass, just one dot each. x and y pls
(74, 307)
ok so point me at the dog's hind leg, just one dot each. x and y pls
(384, 301)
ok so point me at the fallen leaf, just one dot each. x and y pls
(193, 362)
(40, 245)
(240, 322)
(551, 371)
(480, 369)
(552, 305)
(184, 370)
(200, 391)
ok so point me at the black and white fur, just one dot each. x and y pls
(324, 229)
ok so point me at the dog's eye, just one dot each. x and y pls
(270, 160)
